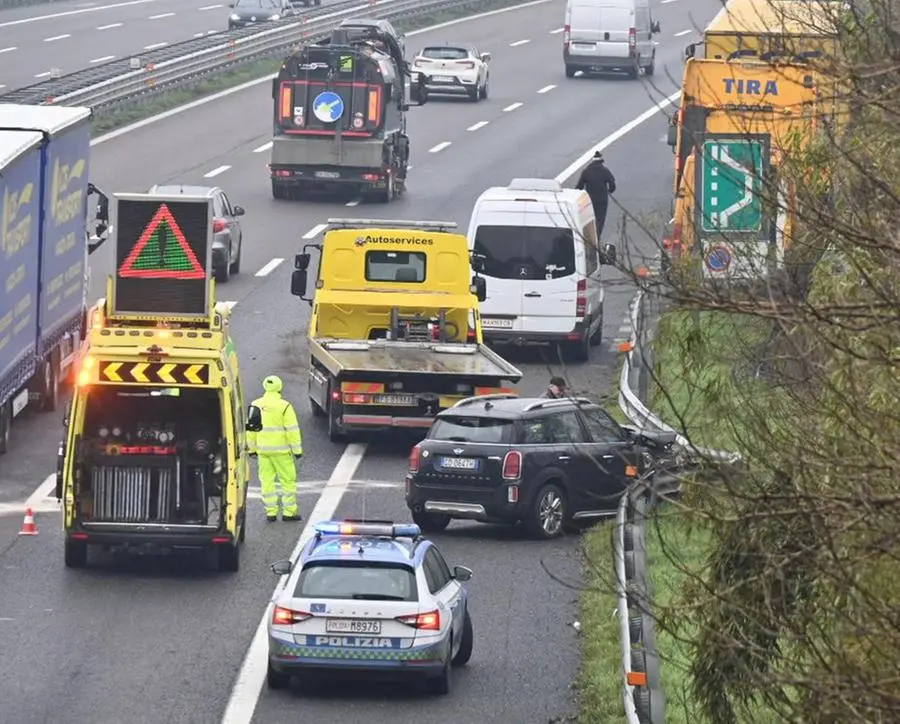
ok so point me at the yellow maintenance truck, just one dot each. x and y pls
(395, 331)
(772, 30)
(153, 458)
(736, 122)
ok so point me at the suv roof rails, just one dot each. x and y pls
(551, 402)
(480, 398)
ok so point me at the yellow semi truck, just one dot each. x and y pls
(395, 332)
(153, 458)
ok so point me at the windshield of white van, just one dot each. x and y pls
(526, 252)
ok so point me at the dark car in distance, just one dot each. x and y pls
(543, 462)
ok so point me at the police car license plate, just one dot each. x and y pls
(459, 463)
(328, 174)
(352, 625)
(444, 78)
(404, 400)
(489, 323)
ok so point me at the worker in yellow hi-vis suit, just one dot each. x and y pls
(273, 436)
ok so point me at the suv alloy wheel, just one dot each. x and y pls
(548, 514)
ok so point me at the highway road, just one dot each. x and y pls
(152, 640)
(74, 35)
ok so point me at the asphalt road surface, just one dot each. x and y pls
(163, 640)
(69, 36)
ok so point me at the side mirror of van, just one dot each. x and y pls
(298, 283)
(281, 568)
(301, 261)
(485, 57)
(479, 288)
(654, 27)
(672, 135)
(274, 88)
(608, 255)
(67, 414)
(418, 93)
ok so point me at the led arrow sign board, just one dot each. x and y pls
(163, 255)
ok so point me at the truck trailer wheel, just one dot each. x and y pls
(76, 553)
(5, 425)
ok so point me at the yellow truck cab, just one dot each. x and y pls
(395, 332)
(735, 122)
(153, 458)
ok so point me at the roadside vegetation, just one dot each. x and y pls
(775, 584)
(106, 121)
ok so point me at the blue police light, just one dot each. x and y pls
(391, 530)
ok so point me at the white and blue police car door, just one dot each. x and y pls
(448, 591)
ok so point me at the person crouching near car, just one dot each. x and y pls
(557, 389)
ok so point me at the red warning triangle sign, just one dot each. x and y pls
(162, 252)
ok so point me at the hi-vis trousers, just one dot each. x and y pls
(278, 479)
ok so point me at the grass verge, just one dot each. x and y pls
(124, 115)
(703, 364)
(676, 552)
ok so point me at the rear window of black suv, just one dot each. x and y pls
(472, 429)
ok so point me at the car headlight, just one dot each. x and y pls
(235, 16)
(275, 17)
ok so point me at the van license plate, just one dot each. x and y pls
(352, 625)
(328, 174)
(489, 323)
(403, 400)
(459, 463)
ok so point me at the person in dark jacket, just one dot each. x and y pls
(557, 389)
(599, 182)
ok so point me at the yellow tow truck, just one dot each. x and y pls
(395, 332)
(153, 459)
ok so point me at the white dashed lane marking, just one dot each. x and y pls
(262, 149)
(476, 126)
(315, 231)
(547, 88)
(216, 171)
(109, 27)
(154, 46)
(518, 43)
(557, 31)
(103, 59)
(681, 32)
(161, 16)
(355, 202)
(210, 7)
(54, 38)
(269, 268)
(512, 107)
(8, 50)
(440, 147)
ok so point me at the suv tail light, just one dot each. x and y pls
(467, 64)
(512, 465)
(286, 617)
(430, 621)
(632, 39)
(414, 459)
(567, 36)
(420, 62)
(581, 298)
(218, 225)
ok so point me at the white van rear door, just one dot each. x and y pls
(491, 238)
(610, 39)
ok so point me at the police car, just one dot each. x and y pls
(372, 597)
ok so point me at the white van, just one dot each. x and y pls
(603, 35)
(536, 243)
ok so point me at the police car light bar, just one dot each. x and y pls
(390, 530)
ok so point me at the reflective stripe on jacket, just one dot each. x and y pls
(280, 432)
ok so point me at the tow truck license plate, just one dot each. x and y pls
(352, 625)
(444, 78)
(328, 174)
(460, 463)
(404, 400)
(495, 323)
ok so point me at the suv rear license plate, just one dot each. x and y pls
(352, 625)
(460, 463)
(328, 174)
(444, 78)
(405, 400)
(496, 323)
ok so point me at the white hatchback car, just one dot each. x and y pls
(455, 69)
(370, 597)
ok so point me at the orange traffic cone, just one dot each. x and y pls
(28, 525)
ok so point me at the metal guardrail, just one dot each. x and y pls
(107, 85)
(637, 364)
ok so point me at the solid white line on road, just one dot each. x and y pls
(681, 32)
(269, 267)
(315, 231)
(8, 50)
(216, 171)
(518, 43)
(42, 75)
(108, 27)
(355, 202)
(547, 88)
(43, 491)
(261, 149)
(103, 59)
(57, 37)
(252, 675)
(210, 7)
(154, 46)
(161, 15)
(440, 147)
(67, 13)
(576, 165)
(476, 126)
(555, 32)
(512, 107)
